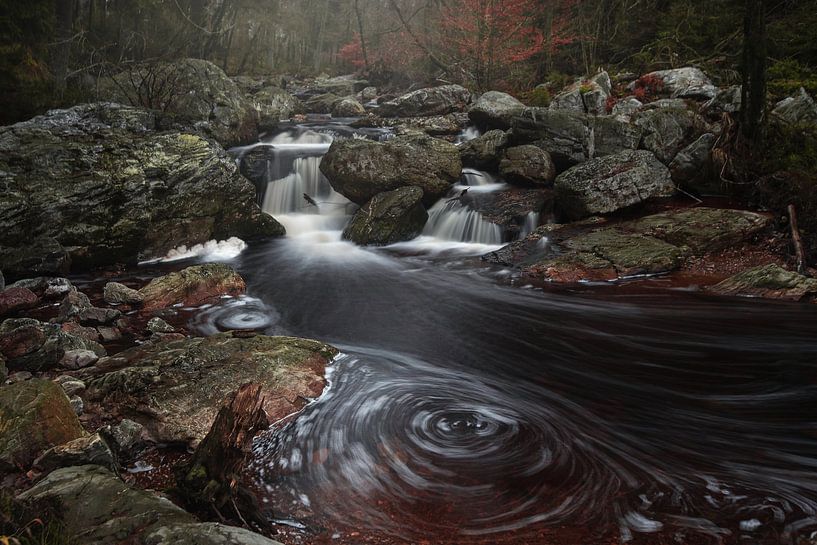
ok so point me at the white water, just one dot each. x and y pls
(212, 250)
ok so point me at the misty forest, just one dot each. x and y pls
(385, 272)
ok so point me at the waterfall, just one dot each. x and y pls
(451, 220)
(531, 223)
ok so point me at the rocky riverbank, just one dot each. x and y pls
(95, 382)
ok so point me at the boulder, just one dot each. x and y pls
(134, 194)
(35, 415)
(192, 286)
(98, 508)
(321, 104)
(517, 211)
(190, 94)
(527, 165)
(494, 110)
(692, 167)
(344, 85)
(91, 449)
(360, 169)
(16, 299)
(118, 294)
(485, 151)
(440, 100)
(627, 106)
(769, 281)
(175, 388)
(348, 107)
(660, 243)
(571, 137)
(667, 131)
(588, 96)
(274, 104)
(30, 345)
(686, 82)
(77, 307)
(46, 286)
(796, 110)
(608, 184)
(725, 101)
(435, 125)
(125, 438)
(392, 216)
(368, 94)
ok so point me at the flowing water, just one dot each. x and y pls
(465, 410)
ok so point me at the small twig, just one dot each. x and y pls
(798, 242)
(690, 195)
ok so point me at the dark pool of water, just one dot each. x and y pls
(468, 411)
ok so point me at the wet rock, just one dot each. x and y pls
(485, 151)
(360, 169)
(157, 325)
(660, 243)
(126, 437)
(2, 281)
(604, 185)
(15, 299)
(98, 508)
(4, 372)
(392, 216)
(77, 404)
(440, 100)
(46, 286)
(73, 328)
(77, 359)
(725, 101)
(667, 131)
(91, 449)
(527, 165)
(191, 94)
(181, 384)
(274, 104)
(77, 307)
(19, 376)
(692, 167)
(348, 107)
(686, 82)
(494, 110)
(31, 345)
(799, 109)
(769, 281)
(118, 294)
(368, 93)
(109, 334)
(70, 385)
(35, 415)
(515, 210)
(192, 286)
(135, 194)
(436, 125)
(572, 137)
(41, 255)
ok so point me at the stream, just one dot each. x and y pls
(465, 409)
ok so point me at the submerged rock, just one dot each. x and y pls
(192, 286)
(593, 250)
(360, 169)
(175, 388)
(604, 185)
(441, 100)
(393, 216)
(191, 94)
(495, 110)
(527, 165)
(769, 281)
(134, 194)
(35, 415)
(98, 508)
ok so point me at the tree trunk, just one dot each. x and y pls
(360, 33)
(753, 95)
(62, 53)
(210, 483)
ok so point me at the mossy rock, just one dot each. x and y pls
(181, 384)
(769, 281)
(192, 286)
(393, 216)
(35, 415)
